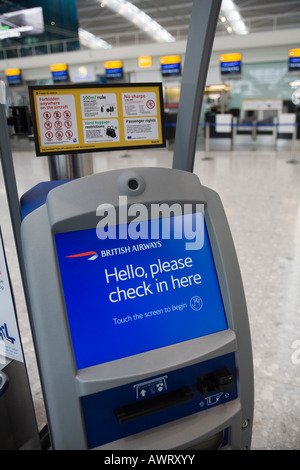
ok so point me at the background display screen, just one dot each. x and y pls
(170, 70)
(231, 68)
(128, 296)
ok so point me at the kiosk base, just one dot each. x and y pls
(158, 400)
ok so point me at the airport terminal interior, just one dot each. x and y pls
(247, 150)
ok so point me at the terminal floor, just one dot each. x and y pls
(260, 191)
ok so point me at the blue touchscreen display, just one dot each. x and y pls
(128, 296)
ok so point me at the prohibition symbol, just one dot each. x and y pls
(69, 134)
(150, 104)
(57, 114)
(49, 135)
(59, 134)
(47, 115)
(58, 124)
(67, 114)
(47, 125)
(68, 124)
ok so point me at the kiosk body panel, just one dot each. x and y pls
(146, 375)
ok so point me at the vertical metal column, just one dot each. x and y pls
(10, 183)
(64, 167)
(204, 17)
(20, 378)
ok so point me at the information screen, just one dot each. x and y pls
(128, 296)
(231, 64)
(14, 77)
(170, 65)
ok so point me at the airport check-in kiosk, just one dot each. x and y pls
(142, 344)
(136, 301)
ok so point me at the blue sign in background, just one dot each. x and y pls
(125, 297)
(114, 73)
(231, 67)
(171, 69)
(294, 63)
(60, 76)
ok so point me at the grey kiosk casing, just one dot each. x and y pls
(200, 405)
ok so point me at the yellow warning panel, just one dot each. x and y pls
(88, 118)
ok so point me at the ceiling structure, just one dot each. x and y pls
(174, 15)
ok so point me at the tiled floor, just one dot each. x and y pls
(260, 191)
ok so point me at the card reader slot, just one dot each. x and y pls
(151, 405)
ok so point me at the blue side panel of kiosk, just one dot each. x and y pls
(36, 197)
(110, 406)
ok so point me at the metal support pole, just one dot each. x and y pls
(233, 132)
(254, 130)
(64, 167)
(207, 133)
(294, 138)
(204, 17)
(15, 215)
(10, 183)
(275, 131)
(293, 159)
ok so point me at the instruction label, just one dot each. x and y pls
(99, 105)
(74, 118)
(57, 118)
(101, 131)
(139, 104)
(141, 129)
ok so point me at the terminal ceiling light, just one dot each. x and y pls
(91, 41)
(139, 18)
(230, 12)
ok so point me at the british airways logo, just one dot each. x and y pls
(90, 255)
(4, 334)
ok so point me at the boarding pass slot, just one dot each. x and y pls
(158, 403)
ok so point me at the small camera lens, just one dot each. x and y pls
(133, 184)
